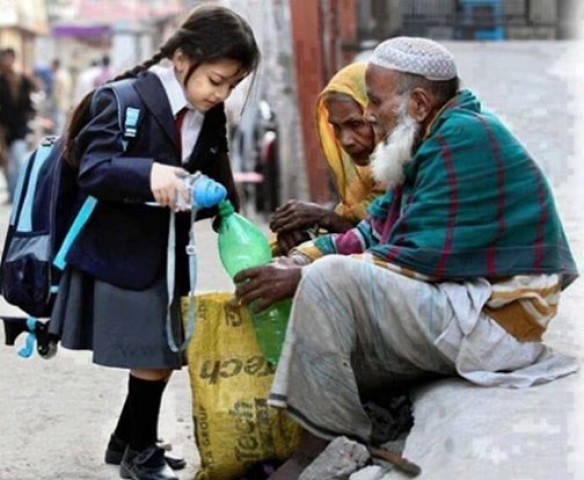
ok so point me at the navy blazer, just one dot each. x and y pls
(125, 241)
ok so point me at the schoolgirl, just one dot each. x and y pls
(113, 296)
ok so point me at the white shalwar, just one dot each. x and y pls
(355, 327)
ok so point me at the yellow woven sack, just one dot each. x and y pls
(230, 381)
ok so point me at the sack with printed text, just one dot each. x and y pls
(234, 426)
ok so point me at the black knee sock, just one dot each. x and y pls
(124, 427)
(144, 398)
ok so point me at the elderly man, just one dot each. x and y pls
(457, 270)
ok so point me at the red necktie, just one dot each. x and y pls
(178, 121)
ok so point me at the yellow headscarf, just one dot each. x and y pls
(355, 185)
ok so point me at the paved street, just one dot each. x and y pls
(56, 415)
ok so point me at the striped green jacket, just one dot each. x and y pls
(474, 204)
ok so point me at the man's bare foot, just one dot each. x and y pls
(309, 448)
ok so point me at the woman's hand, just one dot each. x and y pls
(298, 215)
(267, 284)
(288, 240)
(165, 183)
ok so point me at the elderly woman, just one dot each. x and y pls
(347, 140)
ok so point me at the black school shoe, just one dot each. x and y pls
(147, 464)
(116, 448)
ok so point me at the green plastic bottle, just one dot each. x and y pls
(243, 245)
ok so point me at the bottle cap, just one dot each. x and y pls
(207, 192)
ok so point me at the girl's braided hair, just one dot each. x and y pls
(210, 33)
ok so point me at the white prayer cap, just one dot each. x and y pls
(420, 56)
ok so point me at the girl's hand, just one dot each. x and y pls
(165, 184)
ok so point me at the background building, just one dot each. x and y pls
(303, 42)
(328, 34)
(468, 19)
(20, 23)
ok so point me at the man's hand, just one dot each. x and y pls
(267, 284)
(297, 215)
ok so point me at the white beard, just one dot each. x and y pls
(395, 151)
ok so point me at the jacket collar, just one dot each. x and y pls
(149, 88)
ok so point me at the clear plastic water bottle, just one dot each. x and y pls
(204, 192)
(243, 245)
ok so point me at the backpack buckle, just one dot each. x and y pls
(131, 122)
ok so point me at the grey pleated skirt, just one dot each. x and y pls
(124, 328)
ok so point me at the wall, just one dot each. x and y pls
(276, 82)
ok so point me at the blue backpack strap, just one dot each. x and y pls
(21, 215)
(129, 118)
(129, 106)
(129, 110)
(79, 222)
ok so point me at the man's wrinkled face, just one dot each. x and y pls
(389, 114)
(381, 85)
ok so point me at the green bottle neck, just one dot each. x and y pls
(225, 208)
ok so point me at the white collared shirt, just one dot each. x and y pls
(193, 121)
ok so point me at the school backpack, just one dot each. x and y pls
(44, 220)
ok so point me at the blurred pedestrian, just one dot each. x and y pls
(86, 80)
(61, 95)
(16, 111)
(347, 141)
(113, 298)
(106, 73)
